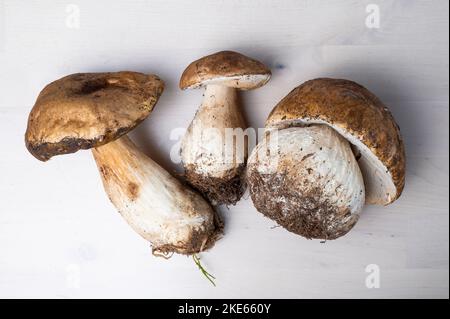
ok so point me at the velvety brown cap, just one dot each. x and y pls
(85, 110)
(227, 68)
(360, 117)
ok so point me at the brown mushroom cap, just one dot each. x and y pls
(362, 119)
(85, 110)
(226, 68)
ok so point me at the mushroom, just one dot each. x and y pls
(330, 147)
(95, 111)
(214, 148)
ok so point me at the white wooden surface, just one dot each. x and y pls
(60, 236)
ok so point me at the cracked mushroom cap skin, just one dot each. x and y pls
(359, 116)
(226, 68)
(86, 110)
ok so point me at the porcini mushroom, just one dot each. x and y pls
(336, 148)
(95, 111)
(213, 153)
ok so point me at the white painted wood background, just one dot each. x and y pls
(60, 236)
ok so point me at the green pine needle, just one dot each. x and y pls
(203, 270)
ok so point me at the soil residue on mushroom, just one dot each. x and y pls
(45, 151)
(198, 242)
(133, 190)
(305, 214)
(219, 190)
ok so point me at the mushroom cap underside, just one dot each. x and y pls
(85, 110)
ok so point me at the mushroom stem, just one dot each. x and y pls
(155, 204)
(214, 149)
(308, 181)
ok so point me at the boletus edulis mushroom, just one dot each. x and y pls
(213, 154)
(330, 147)
(96, 111)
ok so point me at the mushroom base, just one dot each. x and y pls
(198, 242)
(305, 214)
(226, 190)
(308, 181)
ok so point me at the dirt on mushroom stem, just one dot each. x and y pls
(226, 190)
(213, 156)
(305, 214)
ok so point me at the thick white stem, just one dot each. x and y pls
(307, 179)
(155, 204)
(214, 143)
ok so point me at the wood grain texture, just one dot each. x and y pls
(60, 236)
